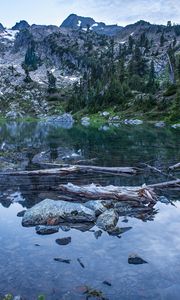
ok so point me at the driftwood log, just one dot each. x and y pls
(167, 184)
(68, 169)
(175, 167)
(140, 195)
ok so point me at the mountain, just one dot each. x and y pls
(21, 25)
(1, 27)
(133, 66)
(76, 22)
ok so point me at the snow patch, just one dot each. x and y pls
(79, 23)
(9, 34)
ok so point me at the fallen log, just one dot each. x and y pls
(174, 167)
(142, 195)
(159, 171)
(64, 170)
(172, 183)
(43, 172)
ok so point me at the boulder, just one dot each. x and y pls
(55, 212)
(107, 220)
(43, 230)
(96, 205)
(63, 241)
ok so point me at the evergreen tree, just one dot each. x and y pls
(162, 40)
(130, 44)
(31, 61)
(151, 81)
(51, 82)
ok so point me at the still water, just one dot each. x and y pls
(27, 265)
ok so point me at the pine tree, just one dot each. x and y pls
(31, 61)
(51, 82)
(162, 40)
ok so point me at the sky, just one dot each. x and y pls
(121, 12)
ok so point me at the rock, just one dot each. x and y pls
(64, 241)
(16, 197)
(164, 200)
(14, 115)
(42, 157)
(85, 121)
(175, 126)
(136, 260)
(59, 211)
(104, 128)
(96, 205)
(65, 121)
(118, 231)
(107, 220)
(98, 234)
(160, 124)
(133, 122)
(21, 25)
(17, 298)
(114, 119)
(104, 114)
(43, 230)
(21, 213)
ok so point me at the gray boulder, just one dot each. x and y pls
(96, 205)
(43, 230)
(51, 212)
(107, 220)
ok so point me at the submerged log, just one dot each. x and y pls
(140, 195)
(68, 169)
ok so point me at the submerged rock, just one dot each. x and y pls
(59, 211)
(96, 205)
(43, 230)
(64, 241)
(136, 260)
(107, 220)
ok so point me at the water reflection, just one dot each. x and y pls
(27, 259)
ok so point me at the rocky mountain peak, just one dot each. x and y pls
(21, 25)
(76, 22)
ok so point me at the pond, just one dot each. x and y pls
(27, 264)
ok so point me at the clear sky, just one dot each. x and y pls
(120, 12)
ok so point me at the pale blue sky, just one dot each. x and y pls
(110, 11)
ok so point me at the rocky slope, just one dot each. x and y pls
(36, 59)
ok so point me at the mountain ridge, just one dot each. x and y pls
(51, 63)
